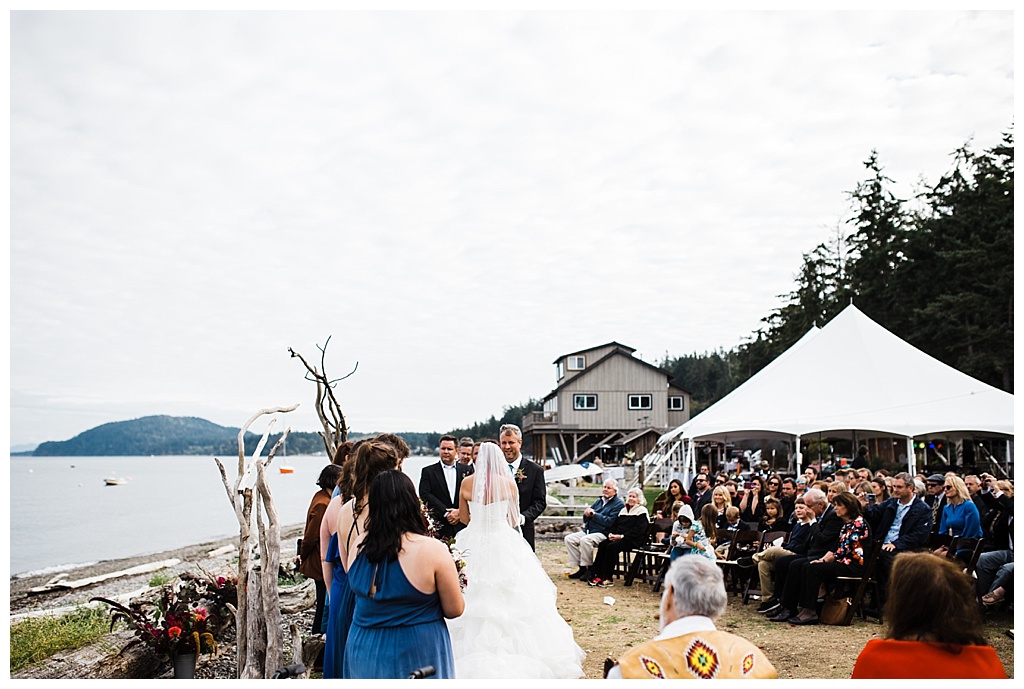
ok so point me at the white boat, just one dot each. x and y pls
(115, 481)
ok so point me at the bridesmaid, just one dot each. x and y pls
(405, 585)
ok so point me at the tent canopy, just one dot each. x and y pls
(853, 374)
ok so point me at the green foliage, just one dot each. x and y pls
(940, 277)
(160, 578)
(489, 429)
(39, 638)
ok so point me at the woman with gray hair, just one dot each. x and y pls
(689, 646)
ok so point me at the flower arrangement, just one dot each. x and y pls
(520, 476)
(460, 562)
(186, 617)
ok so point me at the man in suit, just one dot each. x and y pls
(702, 494)
(533, 495)
(597, 519)
(903, 522)
(823, 537)
(439, 489)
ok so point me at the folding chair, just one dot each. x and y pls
(753, 587)
(648, 562)
(743, 543)
(867, 578)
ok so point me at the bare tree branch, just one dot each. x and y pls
(328, 409)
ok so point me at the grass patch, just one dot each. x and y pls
(160, 578)
(38, 638)
(612, 619)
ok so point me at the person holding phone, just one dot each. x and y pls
(752, 502)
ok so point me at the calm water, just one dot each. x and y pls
(62, 513)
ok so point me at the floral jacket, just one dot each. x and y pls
(853, 538)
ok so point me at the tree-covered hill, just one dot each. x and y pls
(167, 435)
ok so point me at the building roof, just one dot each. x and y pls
(590, 349)
(624, 351)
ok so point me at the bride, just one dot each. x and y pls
(510, 627)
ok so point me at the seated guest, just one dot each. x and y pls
(881, 488)
(662, 507)
(597, 519)
(834, 489)
(628, 531)
(824, 536)
(722, 501)
(773, 519)
(847, 560)
(959, 516)
(765, 560)
(689, 646)
(752, 502)
(933, 627)
(903, 522)
(688, 536)
(789, 498)
(995, 522)
(733, 523)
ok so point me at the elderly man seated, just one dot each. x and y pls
(689, 646)
(597, 519)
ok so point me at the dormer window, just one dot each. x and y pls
(576, 363)
(559, 371)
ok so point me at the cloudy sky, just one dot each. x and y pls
(455, 198)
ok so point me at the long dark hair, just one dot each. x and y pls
(682, 491)
(932, 600)
(371, 459)
(394, 512)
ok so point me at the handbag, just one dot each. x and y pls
(834, 610)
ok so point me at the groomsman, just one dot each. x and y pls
(439, 488)
(533, 495)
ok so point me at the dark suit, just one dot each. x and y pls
(699, 500)
(434, 493)
(533, 496)
(822, 537)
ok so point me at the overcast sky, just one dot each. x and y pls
(456, 198)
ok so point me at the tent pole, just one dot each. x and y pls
(911, 464)
(799, 457)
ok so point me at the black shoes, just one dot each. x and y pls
(579, 573)
(813, 619)
(769, 605)
(782, 615)
(745, 562)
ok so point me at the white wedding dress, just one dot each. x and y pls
(511, 627)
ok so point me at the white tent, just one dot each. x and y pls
(852, 374)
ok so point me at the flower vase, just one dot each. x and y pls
(184, 665)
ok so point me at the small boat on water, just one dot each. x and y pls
(115, 481)
(284, 469)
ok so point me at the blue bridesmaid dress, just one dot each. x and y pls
(334, 640)
(398, 630)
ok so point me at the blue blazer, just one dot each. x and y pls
(915, 529)
(603, 516)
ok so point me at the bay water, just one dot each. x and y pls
(63, 514)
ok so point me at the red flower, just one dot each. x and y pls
(174, 632)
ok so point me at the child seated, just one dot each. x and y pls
(688, 536)
(732, 519)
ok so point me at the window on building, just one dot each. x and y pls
(577, 363)
(676, 403)
(584, 402)
(559, 371)
(639, 401)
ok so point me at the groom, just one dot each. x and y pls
(439, 488)
(533, 495)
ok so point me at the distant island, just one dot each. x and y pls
(184, 435)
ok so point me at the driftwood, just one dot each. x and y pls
(327, 407)
(64, 585)
(258, 643)
(297, 598)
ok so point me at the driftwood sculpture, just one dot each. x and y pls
(259, 641)
(327, 407)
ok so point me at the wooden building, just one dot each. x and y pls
(608, 404)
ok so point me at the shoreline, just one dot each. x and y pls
(191, 557)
